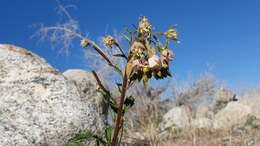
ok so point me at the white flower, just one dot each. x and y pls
(154, 62)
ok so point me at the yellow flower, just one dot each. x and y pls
(171, 34)
(84, 43)
(144, 25)
(109, 41)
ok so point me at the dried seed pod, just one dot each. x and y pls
(109, 41)
(84, 43)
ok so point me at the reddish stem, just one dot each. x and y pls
(120, 109)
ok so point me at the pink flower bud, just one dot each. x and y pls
(138, 64)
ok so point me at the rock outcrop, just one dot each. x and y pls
(221, 98)
(202, 123)
(38, 105)
(234, 114)
(204, 112)
(86, 85)
(177, 117)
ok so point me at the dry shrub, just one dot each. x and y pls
(213, 137)
(142, 122)
(196, 93)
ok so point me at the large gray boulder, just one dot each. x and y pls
(234, 114)
(204, 112)
(178, 117)
(252, 101)
(86, 85)
(221, 98)
(38, 105)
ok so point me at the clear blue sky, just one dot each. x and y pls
(222, 33)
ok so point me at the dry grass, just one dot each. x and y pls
(142, 122)
(211, 137)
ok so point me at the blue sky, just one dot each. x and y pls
(224, 34)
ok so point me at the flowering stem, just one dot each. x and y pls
(98, 81)
(158, 33)
(120, 109)
(99, 50)
(102, 54)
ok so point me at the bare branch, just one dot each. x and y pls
(62, 34)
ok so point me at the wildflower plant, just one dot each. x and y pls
(147, 57)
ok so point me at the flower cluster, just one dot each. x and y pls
(148, 56)
(144, 26)
(109, 41)
(151, 65)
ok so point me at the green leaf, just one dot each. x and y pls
(136, 76)
(167, 43)
(97, 142)
(129, 102)
(126, 37)
(145, 80)
(106, 94)
(118, 70)
(86, 135)
(119, 86)
(119, 55)
(83, 135)
(76, 143)
(108, 134)
(158, 75)
(113, 105)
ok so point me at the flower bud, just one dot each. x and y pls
(171, 34)
(166, 55)
(109, 41)
(137, 64)
(84, 43)
(146, 69)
